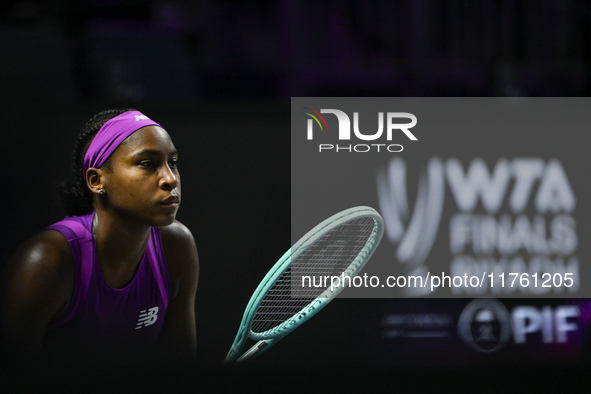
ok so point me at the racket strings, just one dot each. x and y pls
(309, 274)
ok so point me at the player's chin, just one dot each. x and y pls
(165, 218)
(163, 221)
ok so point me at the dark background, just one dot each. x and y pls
(218, 75)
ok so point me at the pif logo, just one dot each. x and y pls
(391, 120)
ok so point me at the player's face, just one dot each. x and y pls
(142, 182)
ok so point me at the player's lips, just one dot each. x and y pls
(172, 200)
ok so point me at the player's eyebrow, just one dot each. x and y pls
(154, 152)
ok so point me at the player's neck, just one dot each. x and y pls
(120, 244)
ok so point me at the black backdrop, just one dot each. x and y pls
(225, 102)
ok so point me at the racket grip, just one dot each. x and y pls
(254, 350)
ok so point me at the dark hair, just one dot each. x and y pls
(76, 197)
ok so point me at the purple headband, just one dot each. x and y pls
(111, 135)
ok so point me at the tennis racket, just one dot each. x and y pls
(289, 294)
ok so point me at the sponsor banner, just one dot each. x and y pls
(481, 197)
(483, 331)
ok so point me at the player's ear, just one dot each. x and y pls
(94, 180)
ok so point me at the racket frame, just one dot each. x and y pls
(270, 337)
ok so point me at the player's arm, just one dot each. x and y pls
(178, 339)
(37, 286)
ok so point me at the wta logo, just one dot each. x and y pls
(394, 122)
(414, 234)
(516, 217)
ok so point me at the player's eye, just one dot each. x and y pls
(146, 163)
(173, 163)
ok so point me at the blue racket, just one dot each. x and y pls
(286, 298)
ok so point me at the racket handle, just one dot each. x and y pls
(256, 349)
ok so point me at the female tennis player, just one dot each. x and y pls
(116, 278)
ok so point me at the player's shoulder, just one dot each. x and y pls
(176, 231)
(47, 248)
(46, 256)
(181, 255)
(177, 235)
(178, 244)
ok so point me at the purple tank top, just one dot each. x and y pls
(101, 317)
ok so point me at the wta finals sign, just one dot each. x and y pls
(548, 234)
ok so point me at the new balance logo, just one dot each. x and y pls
(147, 317)
(138, 117)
